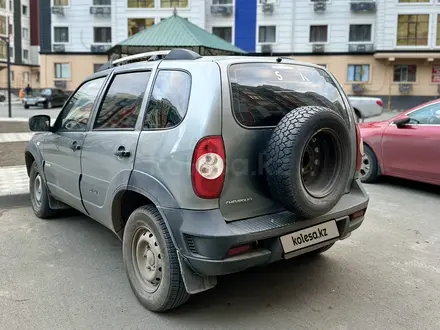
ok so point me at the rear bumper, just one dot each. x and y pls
(203, 238)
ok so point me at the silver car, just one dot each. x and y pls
(203, 166)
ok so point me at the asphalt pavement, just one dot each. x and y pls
(67, 273)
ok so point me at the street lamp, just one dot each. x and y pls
(8, 54)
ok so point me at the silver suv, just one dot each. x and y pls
(203, 166)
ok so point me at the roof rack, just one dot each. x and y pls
(174, 54)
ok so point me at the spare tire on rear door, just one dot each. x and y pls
(309, 159)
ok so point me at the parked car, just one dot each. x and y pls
(405, 146)
(47, 97)
(366, 107)
(203, 166)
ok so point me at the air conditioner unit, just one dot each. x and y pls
(99, 48)
(266, 48)
(268, 8)
(59, 48)
(222, 10)
(62, 84)
(363, 6)
(100, 10)
(405, 88)
(58, 10)
(320, 6)
(318, 48)
(361, 48)
(357, 88)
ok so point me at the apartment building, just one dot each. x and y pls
(374, 47)
(18, 22)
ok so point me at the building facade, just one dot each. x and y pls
(18, 20)
(387, 48)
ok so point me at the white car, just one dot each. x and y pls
(366, 107)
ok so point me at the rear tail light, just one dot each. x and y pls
(379, 103)
(360, 149)
(208, 167)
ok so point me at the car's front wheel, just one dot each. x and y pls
(26, 106)
(38, 194)
(151, 262)
(370, 168)
(48, 105)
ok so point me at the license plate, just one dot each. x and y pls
(309, 236)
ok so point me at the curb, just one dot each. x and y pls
(14, 119)
(15, 200)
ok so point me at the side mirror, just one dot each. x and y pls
(402, 122)
(39, 123)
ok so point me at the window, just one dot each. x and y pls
(37, 77)
(414, 1)
(169, 100)
(62, 70)
(318, 33)
(360, 33)
(438, 31)
(267, 34)
(61, 34)
(428, 115)
(25, 35)
(75, 114)
(3, 4)
(3, 50)
(136, 25)
(60, 2)
(123, 100)
(173, 3)
(222, 2)
(24, 10)
(3, 25)
(11, 51)
(102, 34)
(405, 73)
(96, 66)
(102, 2)
(263, 93)
(26, 77)
(140, 4)
(223, 32)
(25, 54)
(358, 72)
(412, 30)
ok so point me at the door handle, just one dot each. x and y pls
(75, 146)
(121, 152)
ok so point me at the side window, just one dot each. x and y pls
(122, 101)
(75, 114)
(428, 115)
(169, 100)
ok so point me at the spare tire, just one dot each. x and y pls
(309, 160)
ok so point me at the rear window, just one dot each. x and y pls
(262, 93)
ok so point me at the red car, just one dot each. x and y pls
(405, 146)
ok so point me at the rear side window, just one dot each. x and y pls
(122, 101)
(169, 100)
(262, 93)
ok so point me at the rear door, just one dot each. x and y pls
(261, 94)
(109, 148)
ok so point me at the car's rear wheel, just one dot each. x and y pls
(309, 160)
(39, 194)
(151, 262)
(370, 168)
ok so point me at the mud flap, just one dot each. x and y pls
(195, 283)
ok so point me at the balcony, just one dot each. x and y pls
(361, 48)
(223, 10)
(100, 10)
(99, 48)
(320, 6)
(357, 6)
(58, 10)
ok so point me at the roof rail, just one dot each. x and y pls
(141, 57)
